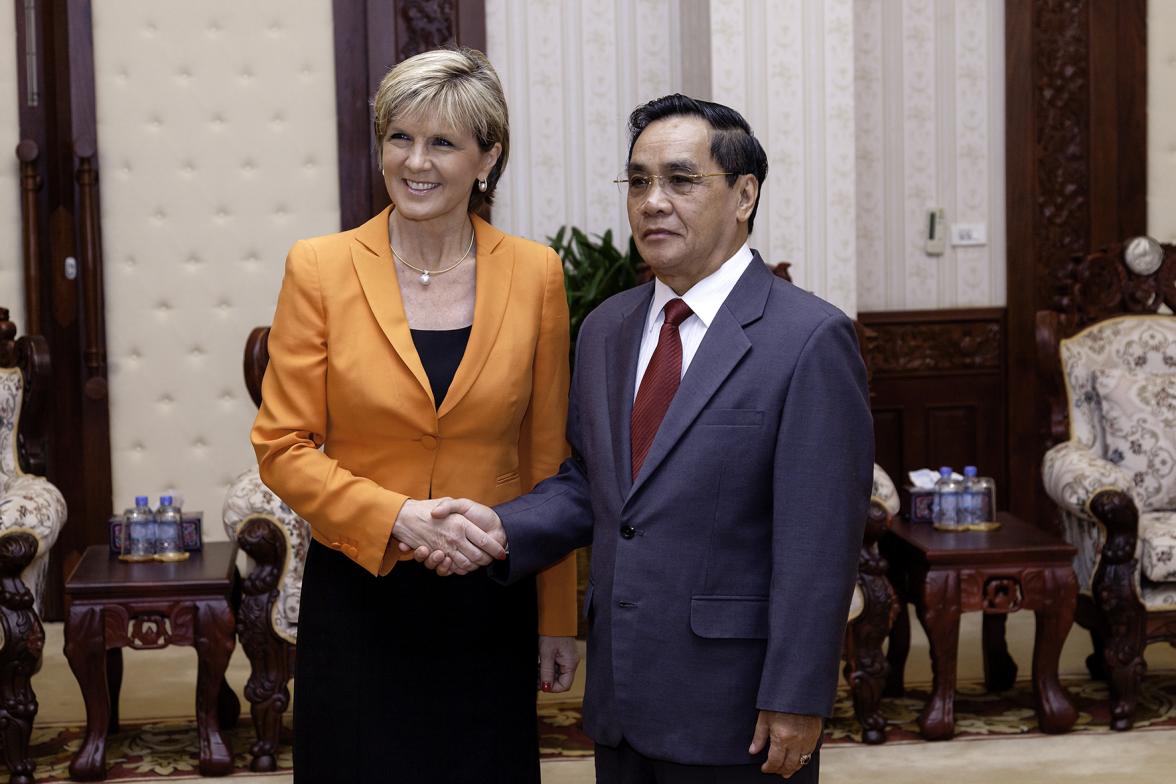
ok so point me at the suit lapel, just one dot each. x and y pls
(373, 262)
(492, 291)
(721, 351)
(621, 351)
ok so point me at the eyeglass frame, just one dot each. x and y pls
(695, 179)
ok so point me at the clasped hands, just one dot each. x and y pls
(450, 536)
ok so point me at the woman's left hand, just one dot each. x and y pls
(558, 660)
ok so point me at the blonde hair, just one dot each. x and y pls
(457, 86)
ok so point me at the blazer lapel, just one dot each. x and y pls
(491, 294)
(721, 351)
(622, 348)
(373, 262)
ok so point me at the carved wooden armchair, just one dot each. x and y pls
(32, 514)
(276, 541)
(1108, 359)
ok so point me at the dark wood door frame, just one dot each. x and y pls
(1076, 141)
(61, 220)
(371, 36)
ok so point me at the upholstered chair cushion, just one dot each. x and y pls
(28, 504)
(883, 490)
(1157, 533)
(249, 497)
(1140, 344)
(1139, 431)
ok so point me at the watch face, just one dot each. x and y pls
(1143, 255)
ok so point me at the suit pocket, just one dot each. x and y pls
(729, 617)
(510, 476)
(731, 417)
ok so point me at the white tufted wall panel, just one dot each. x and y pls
(930, 132)
(1161, 112)
(572, 72)
(216, 123)
(788, 67)
(11, 261)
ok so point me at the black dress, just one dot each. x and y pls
(413, 677)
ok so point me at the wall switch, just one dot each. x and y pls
(936, 230)
(969, 234)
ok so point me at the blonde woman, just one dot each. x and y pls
(421, 355)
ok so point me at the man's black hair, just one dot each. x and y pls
(733, 147)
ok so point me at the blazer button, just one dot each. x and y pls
(628, 531)
(429, 441)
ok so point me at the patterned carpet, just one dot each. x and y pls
(147, 751)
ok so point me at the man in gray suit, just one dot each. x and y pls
(722, 452)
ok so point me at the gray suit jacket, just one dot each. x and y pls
(721, 576)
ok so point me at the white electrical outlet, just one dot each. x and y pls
(969, 234)
(936, 230)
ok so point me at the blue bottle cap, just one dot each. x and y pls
(945, 470)
(969, 470)
(166, 500)
(140, 500)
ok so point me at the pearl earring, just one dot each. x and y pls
(482, 185)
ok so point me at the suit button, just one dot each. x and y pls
(429, 441)
(628, 531)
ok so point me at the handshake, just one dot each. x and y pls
(450, 536)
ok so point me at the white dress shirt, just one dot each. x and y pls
(704, 298)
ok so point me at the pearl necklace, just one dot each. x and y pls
(425, 275)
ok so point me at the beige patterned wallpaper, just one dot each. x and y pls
(930, 133)
(573, 71)
(11, 264)
(1161, 113)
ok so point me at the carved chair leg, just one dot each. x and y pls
(1096, 663)
(1123, 618)
(270, 656)
(24, 641)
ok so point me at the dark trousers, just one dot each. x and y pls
(625, 765)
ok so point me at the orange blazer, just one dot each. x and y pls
(348, 429)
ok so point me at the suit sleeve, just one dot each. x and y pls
(542, 442)
(555, 518)
(350, 513)
(822, 475)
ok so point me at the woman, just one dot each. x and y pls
(421, 355)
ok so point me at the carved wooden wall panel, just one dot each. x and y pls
(1076, 89)
(937, 390)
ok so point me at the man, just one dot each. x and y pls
(722, 451)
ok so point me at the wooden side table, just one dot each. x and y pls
(112, 605)
(1017, 567)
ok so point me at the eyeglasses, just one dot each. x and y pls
(639, 186)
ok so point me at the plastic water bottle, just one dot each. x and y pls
(168, 546)
(971, 509)
(139, 532)
(945, 508)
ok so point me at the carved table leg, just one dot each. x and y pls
(1055, 711)
(269, 656)
(214, 645)
(85, 648)
(114, 675)
(20, 656)
(939, 612)
(896, 654)
(1000, 671)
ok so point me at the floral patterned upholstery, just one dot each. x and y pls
(248, 497)
(28, 504)
(1121, 393)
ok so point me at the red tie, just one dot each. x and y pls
(659, 383)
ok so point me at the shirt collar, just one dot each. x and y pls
(706, 296)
